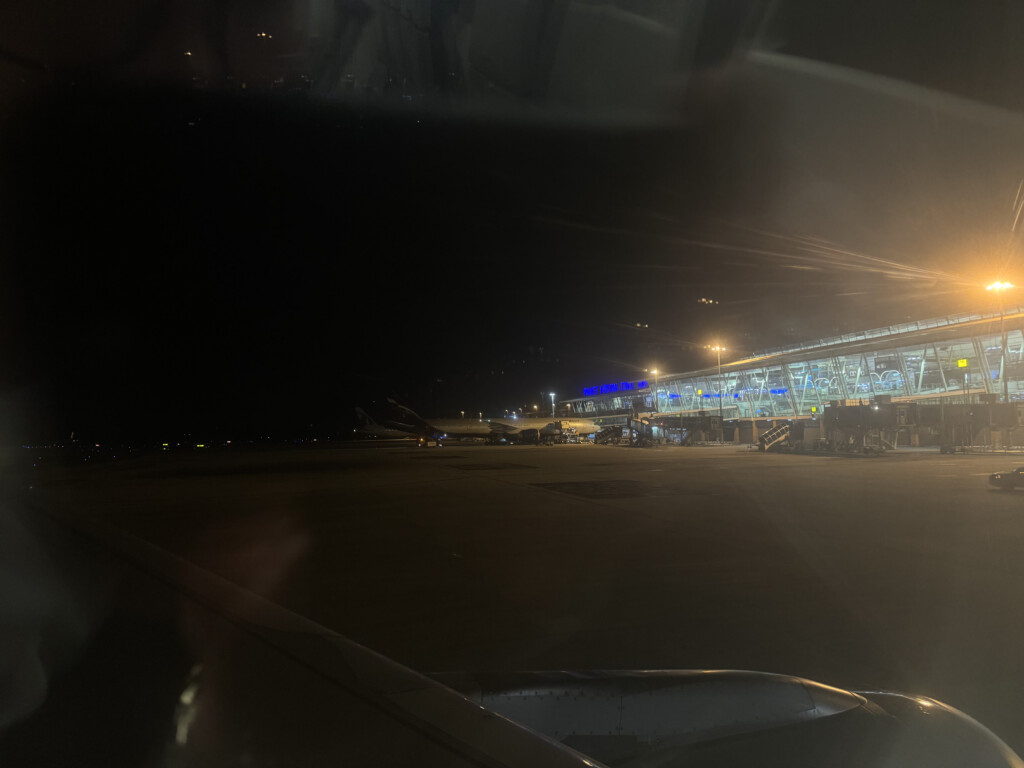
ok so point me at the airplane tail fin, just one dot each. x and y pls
(389, 413)
(363, 419)
(402, 414)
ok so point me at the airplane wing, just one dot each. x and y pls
(217, 675)
(233, 679)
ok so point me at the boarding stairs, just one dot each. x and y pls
(774, 437)
(608, 434)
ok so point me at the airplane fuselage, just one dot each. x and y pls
(509, 427)
(392, 418)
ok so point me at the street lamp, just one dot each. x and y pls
(718, 348)
(998, 288)
(552, 404)
(655, 372)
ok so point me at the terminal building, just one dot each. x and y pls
(949, 381)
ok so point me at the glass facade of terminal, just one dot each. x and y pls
(799, 382)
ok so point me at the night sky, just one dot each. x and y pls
(232, 263)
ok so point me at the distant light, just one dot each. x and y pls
(188, 53)
(188, 696)
(200, 445)
(999, 286)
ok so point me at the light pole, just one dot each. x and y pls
(719, 349)
(656, 408)
(998, 288)
(552, 404)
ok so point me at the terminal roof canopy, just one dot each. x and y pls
(951, 359)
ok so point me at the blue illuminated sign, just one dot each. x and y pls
(607, 389)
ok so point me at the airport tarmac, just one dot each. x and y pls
(898, 573)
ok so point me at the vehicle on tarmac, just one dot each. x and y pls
(1007, 481)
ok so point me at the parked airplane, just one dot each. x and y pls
(509, 428)
(396, 420)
